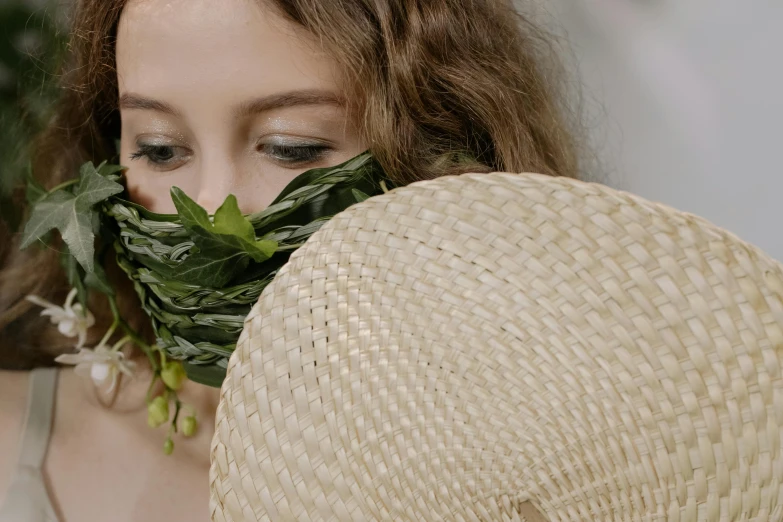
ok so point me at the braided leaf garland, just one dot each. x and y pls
(200, 323)
(197, 276)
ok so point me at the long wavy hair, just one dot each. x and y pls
(427, 78)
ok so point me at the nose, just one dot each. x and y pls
(217, 179)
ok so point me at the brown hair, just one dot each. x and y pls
(430, 79)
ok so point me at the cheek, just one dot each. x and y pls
(262, 185)
(152, 189)
(143, 193)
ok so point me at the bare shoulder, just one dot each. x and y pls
(13, 402)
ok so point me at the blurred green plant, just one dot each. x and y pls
(31, 43)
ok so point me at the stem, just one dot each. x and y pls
(120, 343)
(134, 336)
(109, 333)
(63, 185)
(69, 301)
(177, 408)
(149, 389)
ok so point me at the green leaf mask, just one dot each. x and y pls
(224, 247)
(197, 275)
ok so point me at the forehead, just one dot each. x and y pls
(234, 48)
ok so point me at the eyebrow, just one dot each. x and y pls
(134, 101)
(288, 99)
(248, 108)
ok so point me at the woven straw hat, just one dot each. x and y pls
(508, 347)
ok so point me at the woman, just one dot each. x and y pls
(239, 97)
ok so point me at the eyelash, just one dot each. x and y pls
(302, 154)
(150, 151)
(287, 154)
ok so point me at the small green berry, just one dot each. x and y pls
(157, 411)
(189, 426)
(173, 375)
(168, 447)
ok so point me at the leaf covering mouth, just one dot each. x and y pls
(196, 275)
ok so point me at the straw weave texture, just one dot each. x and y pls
(462, 347)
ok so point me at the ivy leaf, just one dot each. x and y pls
(191, 213)
(72, 214)
(260, 250)
(213, 267)
(229, 220)
(93, 187)
(225, 247)
(49, 213)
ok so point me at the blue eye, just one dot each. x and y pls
(294, 154)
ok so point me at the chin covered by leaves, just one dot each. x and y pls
(197, 275)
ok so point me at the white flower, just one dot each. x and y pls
(71, 319)
(100, 364)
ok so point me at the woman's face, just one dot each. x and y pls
(223, 97)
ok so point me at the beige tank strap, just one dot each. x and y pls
(38, 419)
(27, 499)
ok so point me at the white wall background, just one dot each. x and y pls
(692, 99)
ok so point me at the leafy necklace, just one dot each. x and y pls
(197, 275)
